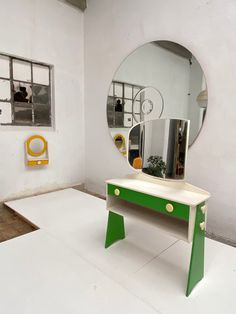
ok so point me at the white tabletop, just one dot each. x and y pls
(180, 192)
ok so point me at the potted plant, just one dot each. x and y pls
(156, 166)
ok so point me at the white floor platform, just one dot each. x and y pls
(63, 267)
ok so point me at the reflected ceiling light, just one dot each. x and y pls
(202, 98)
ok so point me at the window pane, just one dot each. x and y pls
(22, 114)
(128, 105)
(137, 107)
(128, 91)
(138, 117)
(5, 90)
(118, 120)
(4, 67)
(22, 92)
(118, 90)
(127, 120)
(40, 74)
(40, 94)
(42, 115)
(136, 90)
(110, 112)
(5, 112)
(21, 70)
(111, 90)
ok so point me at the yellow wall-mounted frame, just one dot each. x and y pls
(29, 150)
(36, 158)
(121, 146)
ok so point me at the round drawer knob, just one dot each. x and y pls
(169, 208)
(117, 192)
(202, 226)
(204, 209)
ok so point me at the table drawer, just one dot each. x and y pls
(164, 206)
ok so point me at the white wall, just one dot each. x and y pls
(52, 32)
(113, 29)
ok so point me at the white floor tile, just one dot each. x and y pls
(78, 221)
(163, 281)
(59, 208)
(40, 275)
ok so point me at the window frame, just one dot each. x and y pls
(14, 104)
(114, 97)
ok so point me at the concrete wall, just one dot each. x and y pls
(50, 32)
(113, 29)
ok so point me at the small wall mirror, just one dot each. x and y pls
(37, 145)
(36, 151)
(159, 148)
(119, 141)
(160, 79)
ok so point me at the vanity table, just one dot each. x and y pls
(164, 117)
(176, 207)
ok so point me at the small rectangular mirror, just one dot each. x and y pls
(159, 147)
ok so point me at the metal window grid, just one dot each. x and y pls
(32, 83)
(123, 99)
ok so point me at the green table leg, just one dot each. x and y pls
(115, 229)
(196, 270)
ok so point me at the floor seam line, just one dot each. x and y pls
(101, 271)
(156, 256)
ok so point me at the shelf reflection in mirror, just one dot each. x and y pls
(159, 147)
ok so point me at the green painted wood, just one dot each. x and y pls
(181, 211)
(196, 269)
(115, 229)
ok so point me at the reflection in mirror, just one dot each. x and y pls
(37, 145)
(159, 147)
(41, 94)
(150, 104)
(42, 115)
(119, 141)
(22, 114)
(160, 79)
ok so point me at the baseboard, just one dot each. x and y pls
(221, 239)
(41, 191)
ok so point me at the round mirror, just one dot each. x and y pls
(36, 145)
(160, 79)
